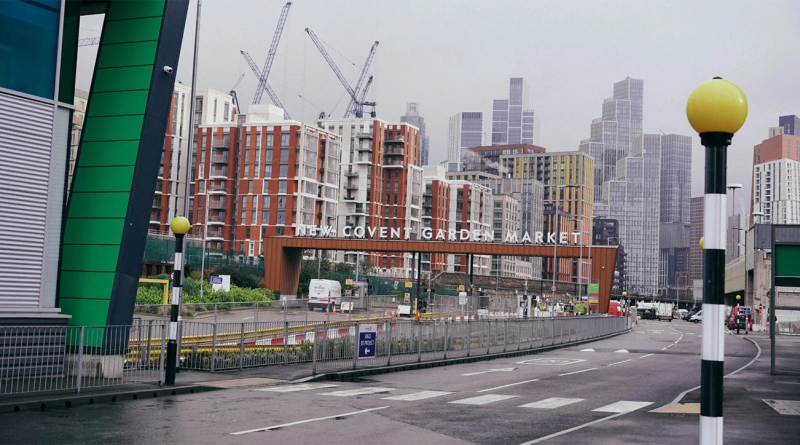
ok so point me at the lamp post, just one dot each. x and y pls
(760, 215)
(555, 223)
(180, 226)
(716, 109)
(733, 188)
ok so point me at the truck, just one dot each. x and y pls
(664, 311)
(324, 294)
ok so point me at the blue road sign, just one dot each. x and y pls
(216, 280)
(367, 333)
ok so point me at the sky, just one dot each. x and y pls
(452, 56)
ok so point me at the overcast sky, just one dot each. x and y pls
(453, 56)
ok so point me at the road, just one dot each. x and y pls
(602, 392)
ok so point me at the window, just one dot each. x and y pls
(215, 111)
(268, 156)
(254, 213)
(247, 232)
(281, 186)
(281, 202)
(263, 232)
(249, 186)
(279, 231)
(252, 248)
(201, 173)
(269, 140)
(244, 208)
(225, 109)
(284, 171)
(267, 171)
(281, 218)
(284, 139)
(285, 155)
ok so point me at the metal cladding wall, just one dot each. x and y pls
(283, 256)
(118, 159)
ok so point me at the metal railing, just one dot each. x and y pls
(58, 358)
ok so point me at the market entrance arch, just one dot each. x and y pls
(283, 256)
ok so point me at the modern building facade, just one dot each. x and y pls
(435, 212)
(790, 124)
(612, 135)
(487, 158)
(633, 199)
(78, 117)
(412, 117)
(513, 122)
(675, 177)
(775, 184)
(382, 184)
(465, 130)
(470, 209)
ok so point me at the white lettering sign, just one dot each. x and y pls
(428, 234)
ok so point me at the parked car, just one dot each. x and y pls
(680, 313)
(692, 312)
(698, 317)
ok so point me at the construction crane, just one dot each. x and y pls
(357, 103)
(322, 114)
(364, 94)
(271, 93)
(234, 97)
(273, 48)
(89, 42)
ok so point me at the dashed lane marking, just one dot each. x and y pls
(295, 388)
(418, 395)
(646, 355)
(785, 407)
(482, 400)
(551, 403)
(617, 363)
(357, 392)
(309, 420)
(506, 386)
(622, 406)
(577, 372)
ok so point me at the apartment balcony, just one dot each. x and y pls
(393, 163)
(364, 135)
(349, 198)
(351, 174)
(217, 204)
(158, 192)
(214, 237)
(157, 203)
(220, 159)
(364, 161)
(364, 147)
(216, 221)
(217, 191)
(394, 152)
(218, 174)
(351, 186)
(219, 144)
(396, 140)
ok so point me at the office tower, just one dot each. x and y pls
(613, 133)
(465, 130)
(513, 122)
(263, 176)
(412, 117)
(676, 166)
(78, 116)
(382, 185)
(633, 199)
(790, 124)
(775, 185)
(696, 221)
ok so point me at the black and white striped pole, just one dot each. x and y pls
(180, 227)
(716, 110)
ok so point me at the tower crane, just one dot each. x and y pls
(264, 72)
(234, 98)
(321, 113)
(271, 93)
(357, 103)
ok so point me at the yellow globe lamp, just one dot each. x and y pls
(624, 294)
(701, 242)
(717, 106)
(180, 225)
(738, 297)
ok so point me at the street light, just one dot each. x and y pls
(761, 215)
(556, 220)
(716, 109)
(733, 188)
(180, 226)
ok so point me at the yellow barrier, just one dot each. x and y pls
(164, 282)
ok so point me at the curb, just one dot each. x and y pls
(352, 374)
(70, 400)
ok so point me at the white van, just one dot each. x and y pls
(319, 291)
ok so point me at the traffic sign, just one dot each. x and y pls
(367, 334)
(216, 280)
(461, 288)
(462, 298)
(407, 298)
(409, 284)
(172, 275)
(429, 290)
(553, 288)
(348, 282)
(348, 293)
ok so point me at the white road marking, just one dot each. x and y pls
(491, 370)
(575, 428)
(506, 386)
(293, 388)
(553, 402)
(577, 372)
(418, 395)
(309, 420)
(482, 400)
(357, 392)
(663, 349)
(787, 383)
(625, 351)
(587, 350)
(617, 363)
(248, 318)
(551, 361)
(622, 406)
(646, 355)
(785, 407)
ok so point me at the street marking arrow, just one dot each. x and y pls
(491, 370)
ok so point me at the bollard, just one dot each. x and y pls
(241, 348)
(285, 342)
(213, 348)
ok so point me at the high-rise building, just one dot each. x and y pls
(487, 158)
(435, 212)
(612, 134)
(78, 116)
(513, 122)
(382, 184)
(790, 124)
(633, 199)
(412, 117)
(776, 195)
(567, 179)
(465, 130)
(263, 176)
(470, 209)
(676, 166)
(696, 221)
(605, 232)
(734, 245)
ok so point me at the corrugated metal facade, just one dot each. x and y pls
(25, 147)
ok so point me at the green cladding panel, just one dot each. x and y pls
(787, 260)
(117, 162)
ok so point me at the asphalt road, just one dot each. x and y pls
(602, 392)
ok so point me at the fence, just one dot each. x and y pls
(204, 310)
(58, 358)
(404, 342)
(61, 358)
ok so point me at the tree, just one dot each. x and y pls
(239, 277)
(343, 268)
(366, 267)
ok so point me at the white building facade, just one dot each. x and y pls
(776, 191)
(465, 130)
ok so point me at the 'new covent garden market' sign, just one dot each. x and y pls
(428, 234)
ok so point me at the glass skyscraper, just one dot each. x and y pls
(465, 130)
(412, 117)
(512, 120)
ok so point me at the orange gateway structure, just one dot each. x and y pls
(283, 256)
